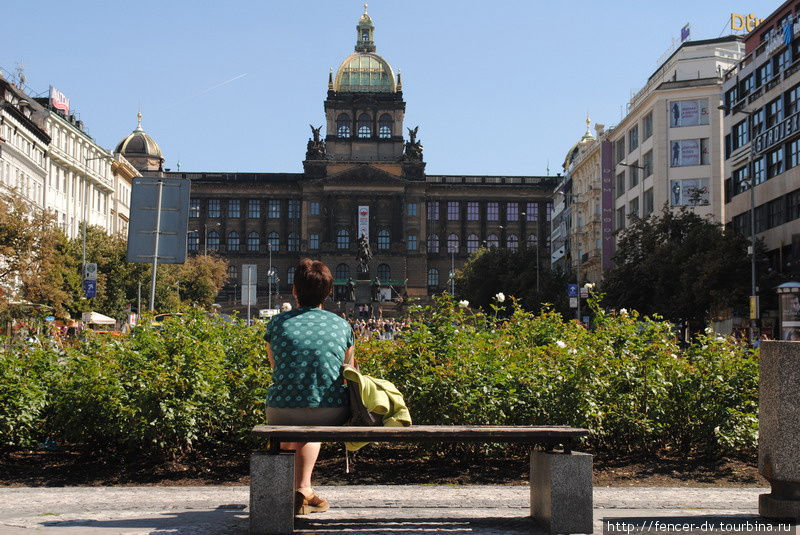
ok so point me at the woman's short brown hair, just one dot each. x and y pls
(312, 282)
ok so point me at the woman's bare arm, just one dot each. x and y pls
(271, 358)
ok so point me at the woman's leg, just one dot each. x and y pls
(305, 457)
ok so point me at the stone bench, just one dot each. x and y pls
(560, 481)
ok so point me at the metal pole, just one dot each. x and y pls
(751, 172)
(249, 289)
(205, 239)
(83, 212)
(139, 300)
(453, 273)
(155, 247)
(269, 277)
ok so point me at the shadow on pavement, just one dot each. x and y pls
(416, 525)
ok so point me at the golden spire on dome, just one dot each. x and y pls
(139, 120)
(588, 134)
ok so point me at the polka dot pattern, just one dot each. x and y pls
(308, 345)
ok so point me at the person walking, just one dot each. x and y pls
(306, 348)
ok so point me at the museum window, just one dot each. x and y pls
(774, 112)
(293, 209)
(253, 242)
(342, 272)
(343, 126)
(193, 241)
(194, 208)
(433, 277)
(384, 272)
(214, 207)
(411, 242)
(647, 126)
(775, 162)
(633, 138)
(512, 242)
(472, 211)
(532, 211)
(492, 242)
(293, 242)
(233, 242)
(313, 242)
(433, 243)
(290, 276)
(273, 241)
(314, 208)
(433, 211)
(452, 211)
(384, 240)
(492, 211)
(452, 243)
(213, 241)
(254, 209)
(385, 126)
(472, 243)
(274, 209)
(343, 239)
(234, 209)
(233, 272)
(512, 211)
(364, 126)
(411, 209)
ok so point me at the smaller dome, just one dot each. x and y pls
(138, 143)
(365, 72)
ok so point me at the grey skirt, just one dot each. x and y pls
(307, 415)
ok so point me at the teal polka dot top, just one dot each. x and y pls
(308, 345)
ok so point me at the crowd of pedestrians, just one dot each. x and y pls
(379, 328)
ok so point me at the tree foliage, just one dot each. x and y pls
(680, 266)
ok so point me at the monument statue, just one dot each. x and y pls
(316, 146)
(364, 255)
(376, 288)
(413, 148)
(351, 290)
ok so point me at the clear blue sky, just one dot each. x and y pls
(496, 87)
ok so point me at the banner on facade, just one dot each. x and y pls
(688, 112)
(363, 222)
(58, 100)
(607, 201)
(689, 192)
(685, 152)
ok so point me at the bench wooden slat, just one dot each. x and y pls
(419, 433)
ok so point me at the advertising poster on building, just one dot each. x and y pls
(685, 152)
(690, 192)
(607, 200)
(363, 222)
(688, 112)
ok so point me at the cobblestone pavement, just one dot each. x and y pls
(397, 510)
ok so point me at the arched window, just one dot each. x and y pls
(512, 242)
(342, 272)
(492, 241)
(472, 243)
(384, 240)
(384, 272)
(273, 241)
(533, 240)
(343, 239)
(364, 126)
(452, 243)
(433, 243)
(213, 240)
(290, 276)
(385, 126)
(193, 241)
(253, 242)
(433, 277)
(343, 126)
(293, 242)
(233, 242)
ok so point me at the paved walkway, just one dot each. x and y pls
(484, 510)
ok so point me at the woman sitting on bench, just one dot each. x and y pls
(307, 347)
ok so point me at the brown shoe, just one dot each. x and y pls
(305, 506)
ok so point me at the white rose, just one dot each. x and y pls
(500, 297)
(561, 344)
(623, 311)
(463, 304)
(589, 285)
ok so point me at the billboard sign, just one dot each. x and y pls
(173, 225)
(688, 112)
(363, 222)
(58, 100)
(607, 202)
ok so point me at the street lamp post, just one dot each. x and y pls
(270, 274)
(83, 211)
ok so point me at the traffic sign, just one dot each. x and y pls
(90, 271)
(572, 290)
(573, 302)
(90, 288)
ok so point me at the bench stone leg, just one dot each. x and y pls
(561, 491)
(271, 493)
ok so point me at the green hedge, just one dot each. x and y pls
(199, 383)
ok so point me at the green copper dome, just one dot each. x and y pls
(365, 71)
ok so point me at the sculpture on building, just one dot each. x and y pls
(351, 290)
(376, 289)
(364, 255)
(413, 148)
(315, 149)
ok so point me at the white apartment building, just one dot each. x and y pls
(23, 145)
(669, 147)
